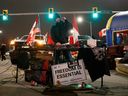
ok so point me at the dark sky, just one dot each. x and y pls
(20, 25)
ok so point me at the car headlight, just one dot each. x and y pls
(40, 42)
(12, 42)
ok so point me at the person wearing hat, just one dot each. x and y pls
(60, 33)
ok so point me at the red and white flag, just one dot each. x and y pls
(102, 32)
(74, 37)
(48, 39)
(35, 29)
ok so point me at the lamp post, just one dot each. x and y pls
(90, 28)
(80, 20)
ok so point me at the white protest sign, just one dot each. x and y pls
(64, 75)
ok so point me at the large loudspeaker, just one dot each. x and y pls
(13, 57)
(23, 60)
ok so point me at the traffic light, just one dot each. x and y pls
(51, 13)
(5, 15)
(95, 12)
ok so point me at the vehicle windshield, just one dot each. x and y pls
(24, 37)
(84, 37)
(37, 37)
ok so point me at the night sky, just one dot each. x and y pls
(20, 25)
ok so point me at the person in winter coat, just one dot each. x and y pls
(3, 51)
(60, 32)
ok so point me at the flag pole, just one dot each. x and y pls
(46, 38)
(39, 22)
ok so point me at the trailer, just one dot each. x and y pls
(117, 29)
(116, 37)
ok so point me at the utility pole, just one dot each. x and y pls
(90, 28)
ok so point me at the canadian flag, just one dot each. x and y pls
(48, 39)
(102, 32)
(35, 29)
(73, 39)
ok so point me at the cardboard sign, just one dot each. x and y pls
(64, 75)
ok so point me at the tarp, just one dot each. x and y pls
(117, 22)
(96, 68)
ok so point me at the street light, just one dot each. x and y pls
(79, 19)
(1, 31)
